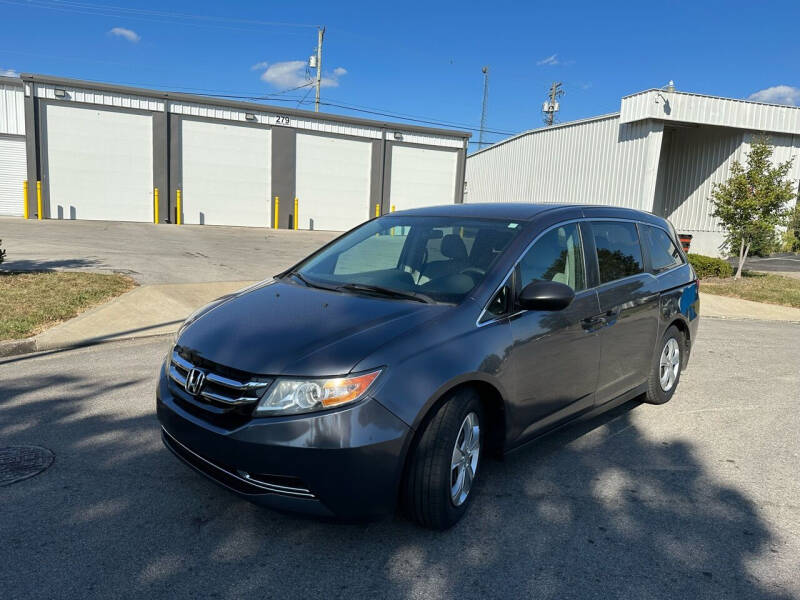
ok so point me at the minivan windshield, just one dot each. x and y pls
(425, 258)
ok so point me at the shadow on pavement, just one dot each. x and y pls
(51, 265)
(596, 510)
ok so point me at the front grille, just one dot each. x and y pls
(236, 479)
(218, 389)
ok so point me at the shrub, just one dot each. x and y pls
(707, 266)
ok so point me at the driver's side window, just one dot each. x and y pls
(556, 256)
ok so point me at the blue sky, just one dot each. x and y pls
(418, 58)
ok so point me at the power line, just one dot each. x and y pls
(425, 121)
(151, 15)
(159, 13)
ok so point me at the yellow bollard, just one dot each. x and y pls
(392, 207)
(25, 199)
(277, 210)
(377, 210)
(178, 208)
(39, 200)
(391, 232)
(155, 206)
(295, 212)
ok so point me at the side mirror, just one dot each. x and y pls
(545, 295)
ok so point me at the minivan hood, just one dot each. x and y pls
(288, 329)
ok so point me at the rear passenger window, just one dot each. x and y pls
(618, 251)
(660, 248)
(557, 256)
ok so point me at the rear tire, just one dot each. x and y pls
(442, 470)
(665, 372)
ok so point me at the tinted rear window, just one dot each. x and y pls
(662, 251)
(618, 251)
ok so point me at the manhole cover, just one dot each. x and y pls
(20, 462)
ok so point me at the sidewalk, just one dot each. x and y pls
(725, 307)
(160, 309)
(144, 311)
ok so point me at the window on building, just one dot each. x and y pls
(557, 256)
(662, 251)
(618, 251)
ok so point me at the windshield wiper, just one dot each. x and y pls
(314, 284)
(387, 292)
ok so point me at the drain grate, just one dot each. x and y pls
(21, 462)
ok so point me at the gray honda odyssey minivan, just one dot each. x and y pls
(387, 366)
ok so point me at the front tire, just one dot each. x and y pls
(440, 481)
(665, 373)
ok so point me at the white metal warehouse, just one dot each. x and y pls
(662, 153)
(109, 152)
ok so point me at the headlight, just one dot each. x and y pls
(293, 396)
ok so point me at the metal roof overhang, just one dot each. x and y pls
(682, 107)
(249, 106)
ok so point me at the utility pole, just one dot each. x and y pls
(550, 106)
(320, 35)
(485, 71)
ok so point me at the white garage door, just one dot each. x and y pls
(333, 181)
(99, 164)
(226, 174)
(12, 174)
(422, 177)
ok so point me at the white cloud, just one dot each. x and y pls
(128, 34)
(8, 72)
(778, 94)
(292, 74)
(551, 60)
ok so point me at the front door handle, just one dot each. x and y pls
(594, 323)
(602, 320)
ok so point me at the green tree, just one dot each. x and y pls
(752, 203)
(791, 239)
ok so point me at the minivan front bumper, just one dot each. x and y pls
(345, 463)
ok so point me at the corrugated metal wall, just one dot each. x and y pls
(89, 96)
(12, 109)
(597, 161)
(709, 110)
(698, 158)
(273, 118)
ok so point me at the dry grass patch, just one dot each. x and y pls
(32, 302)
(758, 287)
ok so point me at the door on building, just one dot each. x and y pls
(422, 176)
(99, 163)
(12, 175)
(227, 174)
(333, 182)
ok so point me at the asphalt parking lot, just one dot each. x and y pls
(695, 499)
(784, 264)
(161, 253)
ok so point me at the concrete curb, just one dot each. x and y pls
(12, 348)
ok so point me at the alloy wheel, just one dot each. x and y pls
(670, 364)
(464, 462)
